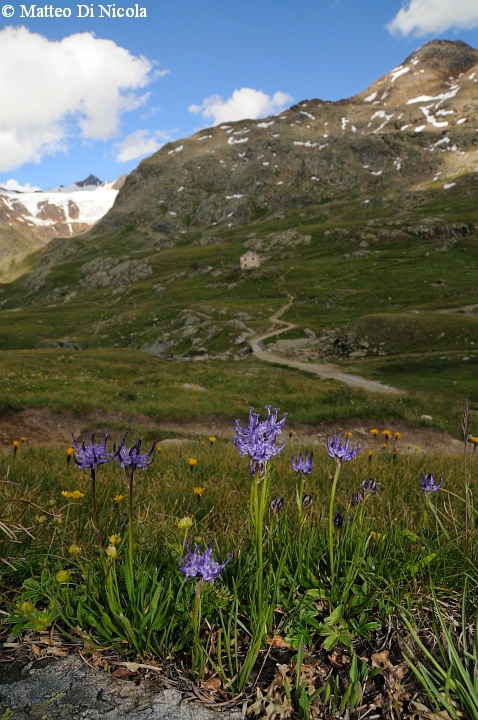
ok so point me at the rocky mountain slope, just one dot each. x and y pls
(29, 220)
(417, 124)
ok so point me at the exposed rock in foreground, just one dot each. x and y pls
(68, 687)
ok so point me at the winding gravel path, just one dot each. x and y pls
(326, 371)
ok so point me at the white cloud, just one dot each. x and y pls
(139, 143)
(421, 17)
(51, 90)
(15, 186)
(245, 103)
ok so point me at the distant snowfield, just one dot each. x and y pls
(86, 204)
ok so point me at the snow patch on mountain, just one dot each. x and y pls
(80, 204)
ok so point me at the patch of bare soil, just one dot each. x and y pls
(42, 426)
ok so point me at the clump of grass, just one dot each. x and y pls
(351, 542)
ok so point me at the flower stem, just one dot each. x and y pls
(331, 525)
(96, 523)
(197, 650)
(129, 569)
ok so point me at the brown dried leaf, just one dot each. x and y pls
(122, 673)
(337, 660)
(53, 650)
(420, 710)
(377, 701)
(99, 661)
(381, 659)
(212, 685)
(257, 706)
(36, 649)
(277, 641)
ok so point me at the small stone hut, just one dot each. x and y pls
(250, 260)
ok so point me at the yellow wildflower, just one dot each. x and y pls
(349, 434)
(378, 536)
(158, 448)
(387, 434)
(74, 495)
(473, 439)
(397, 435)
(16, 443)
(199, 491)
(23, 439)
(115, 539)
(212, 439)
(70, 451)
(40, 519)
(118, 498)
(192, 462)
(384, 446)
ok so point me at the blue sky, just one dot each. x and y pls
(97, 94)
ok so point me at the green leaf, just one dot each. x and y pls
(317, 593)
(334, 618)
(422, 563)
(330, 641)
(304, 705)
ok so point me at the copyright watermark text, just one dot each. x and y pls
(79, 11)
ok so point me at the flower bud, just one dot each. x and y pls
(185, 523)
(63, 576)
(111, 552)
(26, 607)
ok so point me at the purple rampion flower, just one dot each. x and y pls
(92, 455)
(370, 485)
(342, 452)
(276, 505)
(428, 483)
(307, 501)
(132, 458)
(356, 499)
(338, 519)
(204, 566)
(303, 466)
(259, 438)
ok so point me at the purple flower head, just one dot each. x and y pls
(131, 457)
(342, 452)
(204, 566)
(303, 466)
(276, 504)
(92, 455)
(356, 499)
(428, 483)
(370, 486)
(338, 519)
(259, 439)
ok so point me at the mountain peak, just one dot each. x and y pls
(90, 180)
(449, 58)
